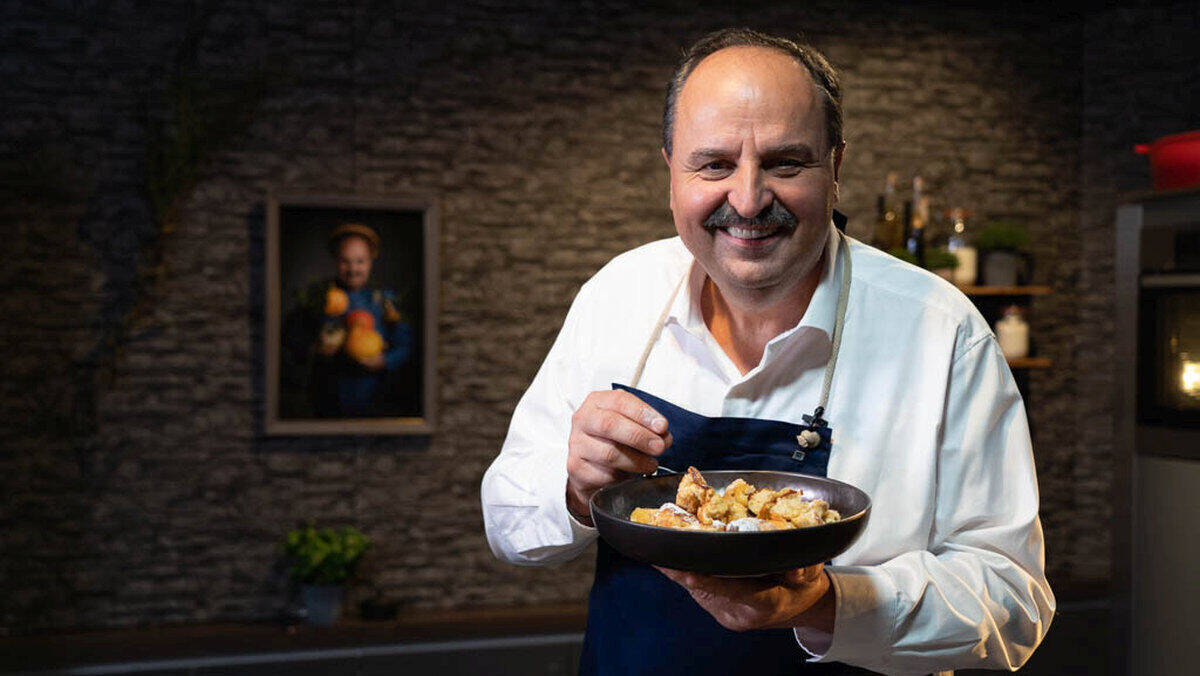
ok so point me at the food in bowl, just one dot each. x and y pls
(739, 507)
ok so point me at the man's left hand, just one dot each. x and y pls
(798, 598)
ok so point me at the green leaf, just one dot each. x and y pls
(903, 255)
(938, 259)
(324, 556)
(1004, 235)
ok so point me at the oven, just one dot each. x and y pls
(1168, 358)
(1156, 482)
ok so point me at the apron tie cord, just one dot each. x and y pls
(658, 327)
(839, 323)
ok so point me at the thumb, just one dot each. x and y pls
(805, 576)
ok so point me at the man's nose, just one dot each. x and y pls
(750, 194)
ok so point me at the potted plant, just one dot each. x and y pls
(903, 255)
(321, 560)
(1000, 245)
(941, 262)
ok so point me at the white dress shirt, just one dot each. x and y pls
(926, 419)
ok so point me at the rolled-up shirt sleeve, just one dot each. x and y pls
(524, 490)
(977, 597)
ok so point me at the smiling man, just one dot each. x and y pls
(761, 312)
(346, 372)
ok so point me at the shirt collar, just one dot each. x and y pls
(820, 314)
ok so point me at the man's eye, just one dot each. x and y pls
(716, 166)
(788, 165)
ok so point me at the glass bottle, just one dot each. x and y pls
(965, 271)
(915, 242)
(888, 229)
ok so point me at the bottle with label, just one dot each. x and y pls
(888, 229)
(964, 273)
(1012, 332)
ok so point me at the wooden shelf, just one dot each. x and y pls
(1005, 290)
(1029, 363)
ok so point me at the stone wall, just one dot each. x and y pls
(139, 486)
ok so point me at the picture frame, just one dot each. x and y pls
(337, 269)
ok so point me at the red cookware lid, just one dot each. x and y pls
(1147, 148)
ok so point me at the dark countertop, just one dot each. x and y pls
(51, 651)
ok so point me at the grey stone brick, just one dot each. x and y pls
(148, 494)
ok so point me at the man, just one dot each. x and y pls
(924, 413)
(353, 331)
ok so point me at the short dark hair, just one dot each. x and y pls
(823, 74)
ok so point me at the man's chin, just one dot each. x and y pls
(748, 276)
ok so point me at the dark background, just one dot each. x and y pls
(304, 259)
(138, 486)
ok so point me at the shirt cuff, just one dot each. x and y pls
(865, 601)
(578, 527)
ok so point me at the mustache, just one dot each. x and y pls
(774, 215)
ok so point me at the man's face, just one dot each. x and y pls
(353, 262)
(749, 140)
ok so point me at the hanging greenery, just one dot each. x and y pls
(200, 112)
(192, 116)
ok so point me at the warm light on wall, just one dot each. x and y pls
(1190, 378)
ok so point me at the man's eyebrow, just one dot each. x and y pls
(701, 154)
(802, 150)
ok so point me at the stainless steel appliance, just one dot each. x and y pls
(1156, 506)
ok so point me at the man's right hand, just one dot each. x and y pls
(613, 435)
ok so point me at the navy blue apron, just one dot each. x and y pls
(639, 621)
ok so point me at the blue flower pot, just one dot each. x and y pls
(323, 603)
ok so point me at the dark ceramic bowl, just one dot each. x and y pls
(729, 554)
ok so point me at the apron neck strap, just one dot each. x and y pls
(839, 322)
(658, 327)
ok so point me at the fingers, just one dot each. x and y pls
(628, 405)
(742, 604)
(613, 435)
(741, 586)
(719, 586)
(614, 456)
(805, 576)
(589, 476)
(612, 426)
(620, 417)
(677, 576)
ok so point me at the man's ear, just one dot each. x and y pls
(670, 193)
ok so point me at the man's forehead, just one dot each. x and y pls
(352, 244)
(762, 82)
(740, 71)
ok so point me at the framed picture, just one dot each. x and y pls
(351, 296)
